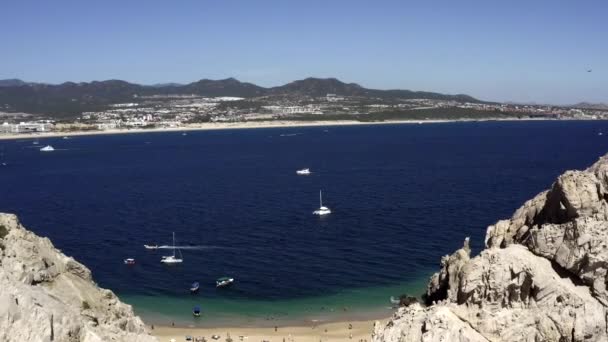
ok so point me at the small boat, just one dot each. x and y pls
(303, 172)
(129, 261)
(184, 134)
(600, 133)
(47, 148)
(196, 311)
(151, 246)
(35, 142)
(66, 138)
(172, 259)
(224, 281)
(322, 210)
(194, 287)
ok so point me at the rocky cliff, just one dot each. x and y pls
(541, 277)
(48, 296)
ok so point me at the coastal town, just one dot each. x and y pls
(191, 110)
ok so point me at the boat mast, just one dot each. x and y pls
(173, 244)
(320, 199)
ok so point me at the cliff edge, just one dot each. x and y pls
(48, 296)
(541, 277)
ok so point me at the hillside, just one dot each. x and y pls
(541, 277)
(48, 296)
(69, 99)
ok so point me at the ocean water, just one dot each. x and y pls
(401, 195)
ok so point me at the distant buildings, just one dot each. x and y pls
(26, 127)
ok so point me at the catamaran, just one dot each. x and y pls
(172, 259)
(322, 210)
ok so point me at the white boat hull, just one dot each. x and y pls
(322, 212)
(171, 261)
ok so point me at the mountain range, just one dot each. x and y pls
(69, 98)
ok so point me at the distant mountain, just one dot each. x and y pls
(12, 82)
(225, 87)
(69, 99)
(587, 105)
(322, 86)
(162, 85)
(319, 87)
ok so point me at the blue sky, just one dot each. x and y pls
(533, 50)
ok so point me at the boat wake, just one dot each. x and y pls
(191, 247)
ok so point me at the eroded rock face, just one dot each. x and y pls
(542, 276)
(48, 296)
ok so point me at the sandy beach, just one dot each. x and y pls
(237, 125)
(338, 331)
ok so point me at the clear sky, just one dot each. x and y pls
(507, 50)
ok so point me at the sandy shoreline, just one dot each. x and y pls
(241, 125)
(338, 331)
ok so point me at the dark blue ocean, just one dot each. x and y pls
(401, 195)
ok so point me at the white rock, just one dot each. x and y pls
(47, 296)
(542, 276)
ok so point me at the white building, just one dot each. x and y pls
(26, 127)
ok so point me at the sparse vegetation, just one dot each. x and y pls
(85, 305)
(3, 231)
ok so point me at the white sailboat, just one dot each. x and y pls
(322, 210)
(172, 259)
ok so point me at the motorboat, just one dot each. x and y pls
(172, 259)
(194, 287)
(322, 209)
(303, 172)
(151, 246)
(47, 148)
(129, 261)
(224, 281)
(196, 311)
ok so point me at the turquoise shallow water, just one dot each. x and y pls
(348, 304)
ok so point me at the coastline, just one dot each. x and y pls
(312, 332)
(249, 125)
(358, 304)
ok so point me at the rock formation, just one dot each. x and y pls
(48, 296)
(541, 277)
